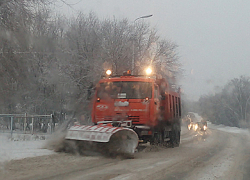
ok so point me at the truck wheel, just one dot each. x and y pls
(154, 139)
(158, 138)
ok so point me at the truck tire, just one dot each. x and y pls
(157, 138)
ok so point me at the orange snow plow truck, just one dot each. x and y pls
(129, 110)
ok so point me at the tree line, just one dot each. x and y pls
(48, 63)
(230, 106)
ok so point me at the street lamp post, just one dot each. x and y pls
(133, 58)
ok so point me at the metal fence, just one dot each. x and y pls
(27, 124)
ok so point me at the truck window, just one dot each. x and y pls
(125, 90)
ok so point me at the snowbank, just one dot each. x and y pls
(10, 150)
(228, 128)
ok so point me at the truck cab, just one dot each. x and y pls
(144, 103)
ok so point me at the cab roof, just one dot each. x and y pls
(128, 78)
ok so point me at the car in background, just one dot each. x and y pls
(200, 126)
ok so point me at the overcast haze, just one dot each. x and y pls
(213, 36)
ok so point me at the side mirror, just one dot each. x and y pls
(90, 93)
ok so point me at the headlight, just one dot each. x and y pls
(108, 72)
(205, 127)
(195, 127)
(148, 71)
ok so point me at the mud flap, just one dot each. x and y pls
(175, 136)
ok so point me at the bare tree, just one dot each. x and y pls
(231, 105)
(50, 63)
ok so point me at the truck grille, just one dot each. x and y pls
(108, 118)
(134, 118)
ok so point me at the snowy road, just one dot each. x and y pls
(221, 154)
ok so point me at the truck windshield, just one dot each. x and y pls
(125, 90)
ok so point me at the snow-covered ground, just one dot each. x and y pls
(19, 149)
(228, 128)
(221, 153)
(31, 146)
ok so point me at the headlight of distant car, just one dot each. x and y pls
(205, 128)
(195, 127)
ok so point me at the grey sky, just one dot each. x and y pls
(213, 36)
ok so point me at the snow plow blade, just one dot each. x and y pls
(117, 140)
